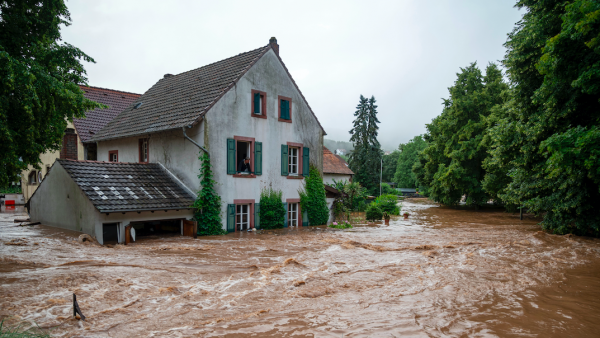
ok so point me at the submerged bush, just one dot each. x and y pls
(272, 211)
(388, 203)
(340, 225)
(373, 213)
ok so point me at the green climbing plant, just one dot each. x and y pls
(312, 198)
(208, 203)
(272, 211)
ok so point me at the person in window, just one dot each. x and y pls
(244, 166)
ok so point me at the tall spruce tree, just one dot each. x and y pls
(365, 160)
(451, 165)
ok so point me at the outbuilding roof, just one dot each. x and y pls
(334, 164)
(121, 187)
(96, 119)
(181, 100)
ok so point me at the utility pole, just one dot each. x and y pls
(381, 176)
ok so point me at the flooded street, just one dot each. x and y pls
(442, 273)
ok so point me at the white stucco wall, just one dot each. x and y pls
(59, 202)
(328, 178)
(229, 117)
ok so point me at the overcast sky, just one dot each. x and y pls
(405, 53)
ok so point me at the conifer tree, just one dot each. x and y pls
(365, 160)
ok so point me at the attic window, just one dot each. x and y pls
(137, 105)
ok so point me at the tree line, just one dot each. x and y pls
(526, 137)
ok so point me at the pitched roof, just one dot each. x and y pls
(181, 100)
(94, 120)
(334, 164)
(120, 187)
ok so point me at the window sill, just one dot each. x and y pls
(245, 176)
(297, 177)
(261, 116)
(284, 120)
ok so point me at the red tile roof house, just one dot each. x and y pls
(245, 106)
(334, 168)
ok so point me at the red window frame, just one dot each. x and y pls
(113, 152)
(141, 141)
(279, 98)
(245, 201)
(264, 104)
(245, 139)
(300, 147)
(296, 200)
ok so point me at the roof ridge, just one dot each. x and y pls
(210, 64)
(110, 90)
(107, 162)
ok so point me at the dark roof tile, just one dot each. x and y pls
(119, 187)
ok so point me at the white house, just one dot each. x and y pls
(244, 106)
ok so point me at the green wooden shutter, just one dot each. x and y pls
(284, 160)
(305, 161)
(304, 218)
(256, 103)
(257, 215)
(258, 158)
(231, 165)
(286, 215)
(286, 104)
(230, 217)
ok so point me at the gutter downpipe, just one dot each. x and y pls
(194, 142)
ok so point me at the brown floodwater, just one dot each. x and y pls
(443, 272)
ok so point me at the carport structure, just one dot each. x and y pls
(107, 199)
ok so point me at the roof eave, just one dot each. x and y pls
(140, 210)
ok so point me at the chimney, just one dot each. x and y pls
(274, 45)
(167, 75)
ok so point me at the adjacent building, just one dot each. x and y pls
(75, 144)
(335, 168)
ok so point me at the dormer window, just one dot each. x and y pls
(259, 104)
(113, 156)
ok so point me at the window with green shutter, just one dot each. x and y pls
(285, 109)
(257, 103)
(284, 160)
(305, 161)
(258, 158)
(230, 217)
(231, 165)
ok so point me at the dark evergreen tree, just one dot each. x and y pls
(365, 160)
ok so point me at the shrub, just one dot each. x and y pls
(340, 225)
(272, 211)
(387, 189)
(207, 207)
(312, 198)
(373, 213)
(388, 203)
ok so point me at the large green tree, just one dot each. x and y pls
(365, 160)
(389, 166)
(39, 80)
(408, 156)
(548, 135)
(451, 165)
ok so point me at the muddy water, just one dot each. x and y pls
(441, 273)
